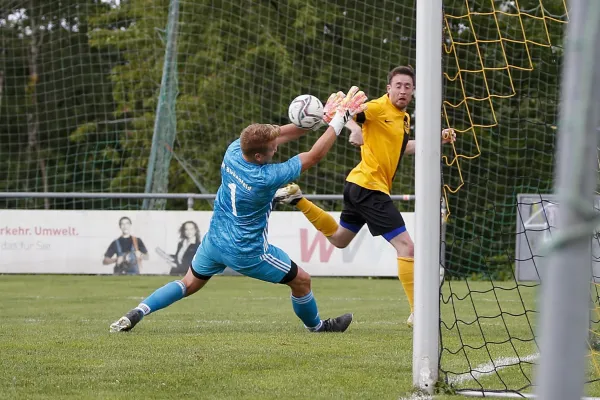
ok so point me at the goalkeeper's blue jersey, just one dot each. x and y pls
(240, 220)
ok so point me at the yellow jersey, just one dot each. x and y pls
(385, 132)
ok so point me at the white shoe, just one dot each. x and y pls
(410, 320)
(289, 194)
(123, 324)
(128, 321)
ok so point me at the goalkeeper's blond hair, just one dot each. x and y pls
(256, 137)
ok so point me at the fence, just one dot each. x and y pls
(191, 197)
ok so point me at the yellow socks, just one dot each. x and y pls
(406, 274)
(319, 218)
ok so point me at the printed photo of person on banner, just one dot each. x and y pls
(126, 252)
(188, 242)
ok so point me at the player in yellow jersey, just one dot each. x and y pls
(384, 139)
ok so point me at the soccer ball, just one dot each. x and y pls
(306, 111)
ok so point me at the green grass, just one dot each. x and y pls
(236, 339)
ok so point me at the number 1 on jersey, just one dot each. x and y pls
(232, 188)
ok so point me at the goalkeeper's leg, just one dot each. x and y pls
(203, 267)
(305, 305)
(275, 266)
(159, 299)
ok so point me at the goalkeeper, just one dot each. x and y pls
(384, 139)
(237, 234)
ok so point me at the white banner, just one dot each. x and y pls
(89, 242)
(365, 256)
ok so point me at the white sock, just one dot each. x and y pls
(316, 328)
(143, 308)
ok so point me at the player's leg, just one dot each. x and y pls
(383, 219)
(338, 235)
(159, 299)
(203, 267)
(405, 252)
(275, 266)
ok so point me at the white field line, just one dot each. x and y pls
(417, 396)
(322, 298)
(475, 393)
(482, 370)
(260, 322)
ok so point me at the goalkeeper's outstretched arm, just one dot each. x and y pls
(289, 132)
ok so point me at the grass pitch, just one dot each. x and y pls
(235, 339)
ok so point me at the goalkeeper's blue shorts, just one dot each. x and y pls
(273, 266)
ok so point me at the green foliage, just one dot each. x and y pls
(99, 74)
(517, 153)
(238, 62)
(72, 89)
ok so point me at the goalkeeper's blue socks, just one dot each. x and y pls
(163, 297)
(305, 308)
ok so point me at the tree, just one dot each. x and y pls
(515, 154)
(53, 82)
(241, 63)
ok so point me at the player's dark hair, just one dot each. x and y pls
(255, 138)
(182, 230)
(123, 219)
(402, 70)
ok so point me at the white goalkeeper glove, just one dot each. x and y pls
(333, 102)
(352, 104)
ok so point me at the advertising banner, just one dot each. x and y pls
(164, 242)
(537, 216)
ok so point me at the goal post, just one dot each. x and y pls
(564, 305)
(428, 193)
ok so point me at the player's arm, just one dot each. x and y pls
(372, 112)
(410, 147)
(356, 136)
(448, 136)
(352, 104)
(319, 149)
(289, 132)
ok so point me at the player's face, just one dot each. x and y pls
(267, 157)
(189, 231)
(125, 226)
(400, 90)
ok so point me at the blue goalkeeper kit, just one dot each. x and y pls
(237, 235)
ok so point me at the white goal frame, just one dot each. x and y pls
(428, 194)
